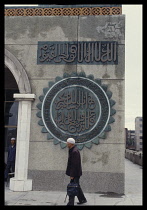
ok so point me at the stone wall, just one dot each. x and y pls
(103, 164)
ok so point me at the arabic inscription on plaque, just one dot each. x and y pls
(75, 110)
(75, 107)
(98, 52)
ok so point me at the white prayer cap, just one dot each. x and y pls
(12, 138)
(71, 140)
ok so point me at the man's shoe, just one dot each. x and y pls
(69, 204)
(85, 201)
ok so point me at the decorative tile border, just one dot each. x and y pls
(64, 11)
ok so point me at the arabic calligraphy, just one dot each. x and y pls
(76, 107)
(75, 100)
(75, 110)
(75, 121)
(111, 30)
(77, 52)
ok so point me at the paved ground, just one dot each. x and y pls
(133, 193)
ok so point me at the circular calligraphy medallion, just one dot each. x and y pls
(75, 107)
(75, 110)
(78, 107)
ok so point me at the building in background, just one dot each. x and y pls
(138, 133)
(130, 139)
(126, 137)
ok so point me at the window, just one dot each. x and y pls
(10, 109)
(11, 115)
(132, 131)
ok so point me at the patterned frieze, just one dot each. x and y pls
(84, 11)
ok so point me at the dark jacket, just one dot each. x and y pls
(11, 153)
(74, 168)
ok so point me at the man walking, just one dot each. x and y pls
(74, 170)
(11, 158)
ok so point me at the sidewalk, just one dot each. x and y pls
(133, 193)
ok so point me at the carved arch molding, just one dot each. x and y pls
(18, 72)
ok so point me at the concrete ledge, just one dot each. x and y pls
(24, 96)
(134, 156)
(20, 185)
(91, 182)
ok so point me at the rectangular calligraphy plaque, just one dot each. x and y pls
(86, 52)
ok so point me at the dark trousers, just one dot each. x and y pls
(80, 195)
(10, 165)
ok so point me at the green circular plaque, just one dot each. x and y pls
(77, 107)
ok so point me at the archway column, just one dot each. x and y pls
(20, 181)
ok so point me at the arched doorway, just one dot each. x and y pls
(24, 98)
(10, 109)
